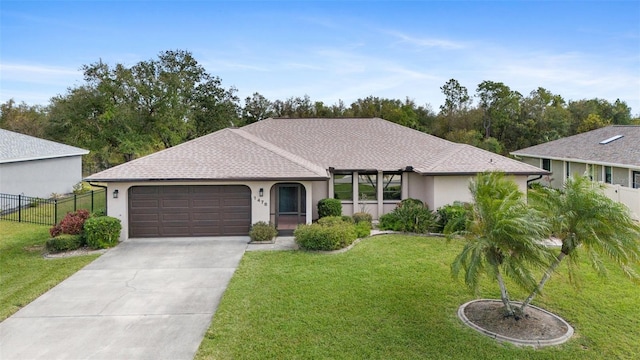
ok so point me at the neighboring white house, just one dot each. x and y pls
(37, 167)
(610, 155)
(276, 170)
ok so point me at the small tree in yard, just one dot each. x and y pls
(586, 220)
(503, 237)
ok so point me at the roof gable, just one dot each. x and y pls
(16, 147)
(225, 154)
(616, 145)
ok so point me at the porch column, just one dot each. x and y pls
(356, 196)
(308, 189)
(330, 190)
(404, 187)
(380, 193)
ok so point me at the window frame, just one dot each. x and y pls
(368, 195)
(608, 176)
(547, 161)
(386, 184)
(338, 194)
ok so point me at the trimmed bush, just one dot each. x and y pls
(325, 237)
(363, 229)
(411, 215)
(71, 224)
(64, 242)
(333, 220)
(329, 207)
(102, 232)
(362, 217)
(453, 218)
(390, 221)
(261, 231)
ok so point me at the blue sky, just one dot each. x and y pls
(333, 50)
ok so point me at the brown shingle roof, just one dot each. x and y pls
(225, 154)
(586, 147)
(307, 148)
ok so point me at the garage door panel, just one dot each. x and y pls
(176, 210)
(151, 203)
(145, 217)
(205, 203)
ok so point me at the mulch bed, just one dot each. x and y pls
(535, 325)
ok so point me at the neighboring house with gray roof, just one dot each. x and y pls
(276, 170)
(610, 155)
(36, 167)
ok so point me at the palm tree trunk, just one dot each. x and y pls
(543, 281)
(504, 295)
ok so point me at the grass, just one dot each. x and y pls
(393, 297)
(24, 273)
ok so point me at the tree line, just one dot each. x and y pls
(120, 113)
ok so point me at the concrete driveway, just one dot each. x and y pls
(144, 299)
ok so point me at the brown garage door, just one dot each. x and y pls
(166, 211)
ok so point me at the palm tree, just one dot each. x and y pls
(583, 217)
(503, 237)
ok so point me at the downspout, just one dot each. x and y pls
(534, 179)
(106, 200)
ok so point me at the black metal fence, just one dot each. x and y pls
(41, 211)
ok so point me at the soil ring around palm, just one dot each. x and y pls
(538, 328)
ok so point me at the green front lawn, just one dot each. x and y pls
(24, 273)
(392, 297)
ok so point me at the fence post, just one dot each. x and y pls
(55, 211)
(92, 201)
(19, 208)
(75, 198)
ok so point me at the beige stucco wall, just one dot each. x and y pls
(260, 207)
(620, 176)
(41, 178)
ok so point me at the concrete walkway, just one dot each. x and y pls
(144, 299)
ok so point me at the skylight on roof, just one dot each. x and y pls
(613, 138)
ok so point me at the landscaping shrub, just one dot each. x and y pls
(325, 237)
(329, 207)
(64, 242)
(452, 218)
(261, 231)
(346, 218)
(363, 229)
(71, 224)
(102, 232)
(334, 220)
(411, 215)
(390, 221)
(362, 217)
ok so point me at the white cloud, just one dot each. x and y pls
(38, 73)
(425, 42)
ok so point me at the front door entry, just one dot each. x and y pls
(291, 207)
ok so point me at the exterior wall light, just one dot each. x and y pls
(260, 192)
(115, 194)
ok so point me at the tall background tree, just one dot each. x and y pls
(122, 112)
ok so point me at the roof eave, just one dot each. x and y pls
(124, 180)
(582, 161)
(473, 173)
(7, 161)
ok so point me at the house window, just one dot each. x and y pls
(636, 179)
(567, 169)
(546, 164)
(367, 186)
(343, 186)
(392, 186)
(607, 175)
